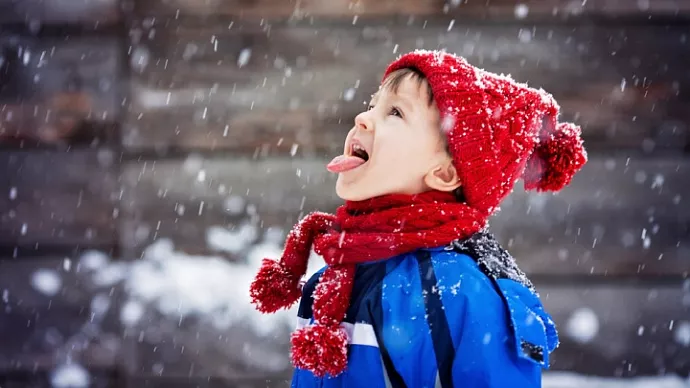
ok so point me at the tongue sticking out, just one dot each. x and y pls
(342, 163)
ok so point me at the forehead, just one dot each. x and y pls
(405, 85)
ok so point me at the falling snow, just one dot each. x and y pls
(131, 313)
(244, 56)
(643, 5)
(100, 304)
(93, 260)
(349, 94)
(525, 36)
(140, 58)
(46, 281)
(682, 333)
(170, 283)
(583, 325)
(190, 51)
(448, 123)
(70, 376)
(234, 204)
(167, 281)
(521, 11)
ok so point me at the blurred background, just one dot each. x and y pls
(153, 151)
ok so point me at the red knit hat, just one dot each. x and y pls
(498, 131)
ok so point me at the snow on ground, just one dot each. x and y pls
(571, 380)
(75, 376)
(208, 287)
(215, 290)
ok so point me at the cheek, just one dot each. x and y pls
(388, 152)
(403, 154)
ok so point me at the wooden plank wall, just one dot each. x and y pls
(62, 84)
(122, 123)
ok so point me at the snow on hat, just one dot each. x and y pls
(497, 130)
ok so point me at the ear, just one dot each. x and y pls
(443, 177)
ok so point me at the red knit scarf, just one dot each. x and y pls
(359, 232)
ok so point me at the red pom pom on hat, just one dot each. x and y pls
(320, 349)
(495, 133)
(274, 287)
(557, 157)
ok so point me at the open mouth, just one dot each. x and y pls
(352, 158)
(360, 152)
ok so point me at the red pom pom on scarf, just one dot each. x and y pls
(320, 349)
(274, 287)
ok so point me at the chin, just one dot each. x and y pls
(351, 192)
(348, 194)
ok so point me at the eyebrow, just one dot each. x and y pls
(407, 105)
(405, 102)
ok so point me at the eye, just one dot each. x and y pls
(370, 107)
(396, 112)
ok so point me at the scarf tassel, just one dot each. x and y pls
(320, 349)
(376, 229)
(275, 287)
(277, 284)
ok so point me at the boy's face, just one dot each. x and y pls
(402, 142)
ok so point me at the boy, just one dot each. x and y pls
(416, 292)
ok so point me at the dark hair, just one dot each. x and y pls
(459, 194)
(393, 81)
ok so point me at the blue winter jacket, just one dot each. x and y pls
(453, 316)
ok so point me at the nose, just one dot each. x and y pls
(363, 121)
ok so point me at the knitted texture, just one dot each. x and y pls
(493, 126)
(359, 232)
(497, 131)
